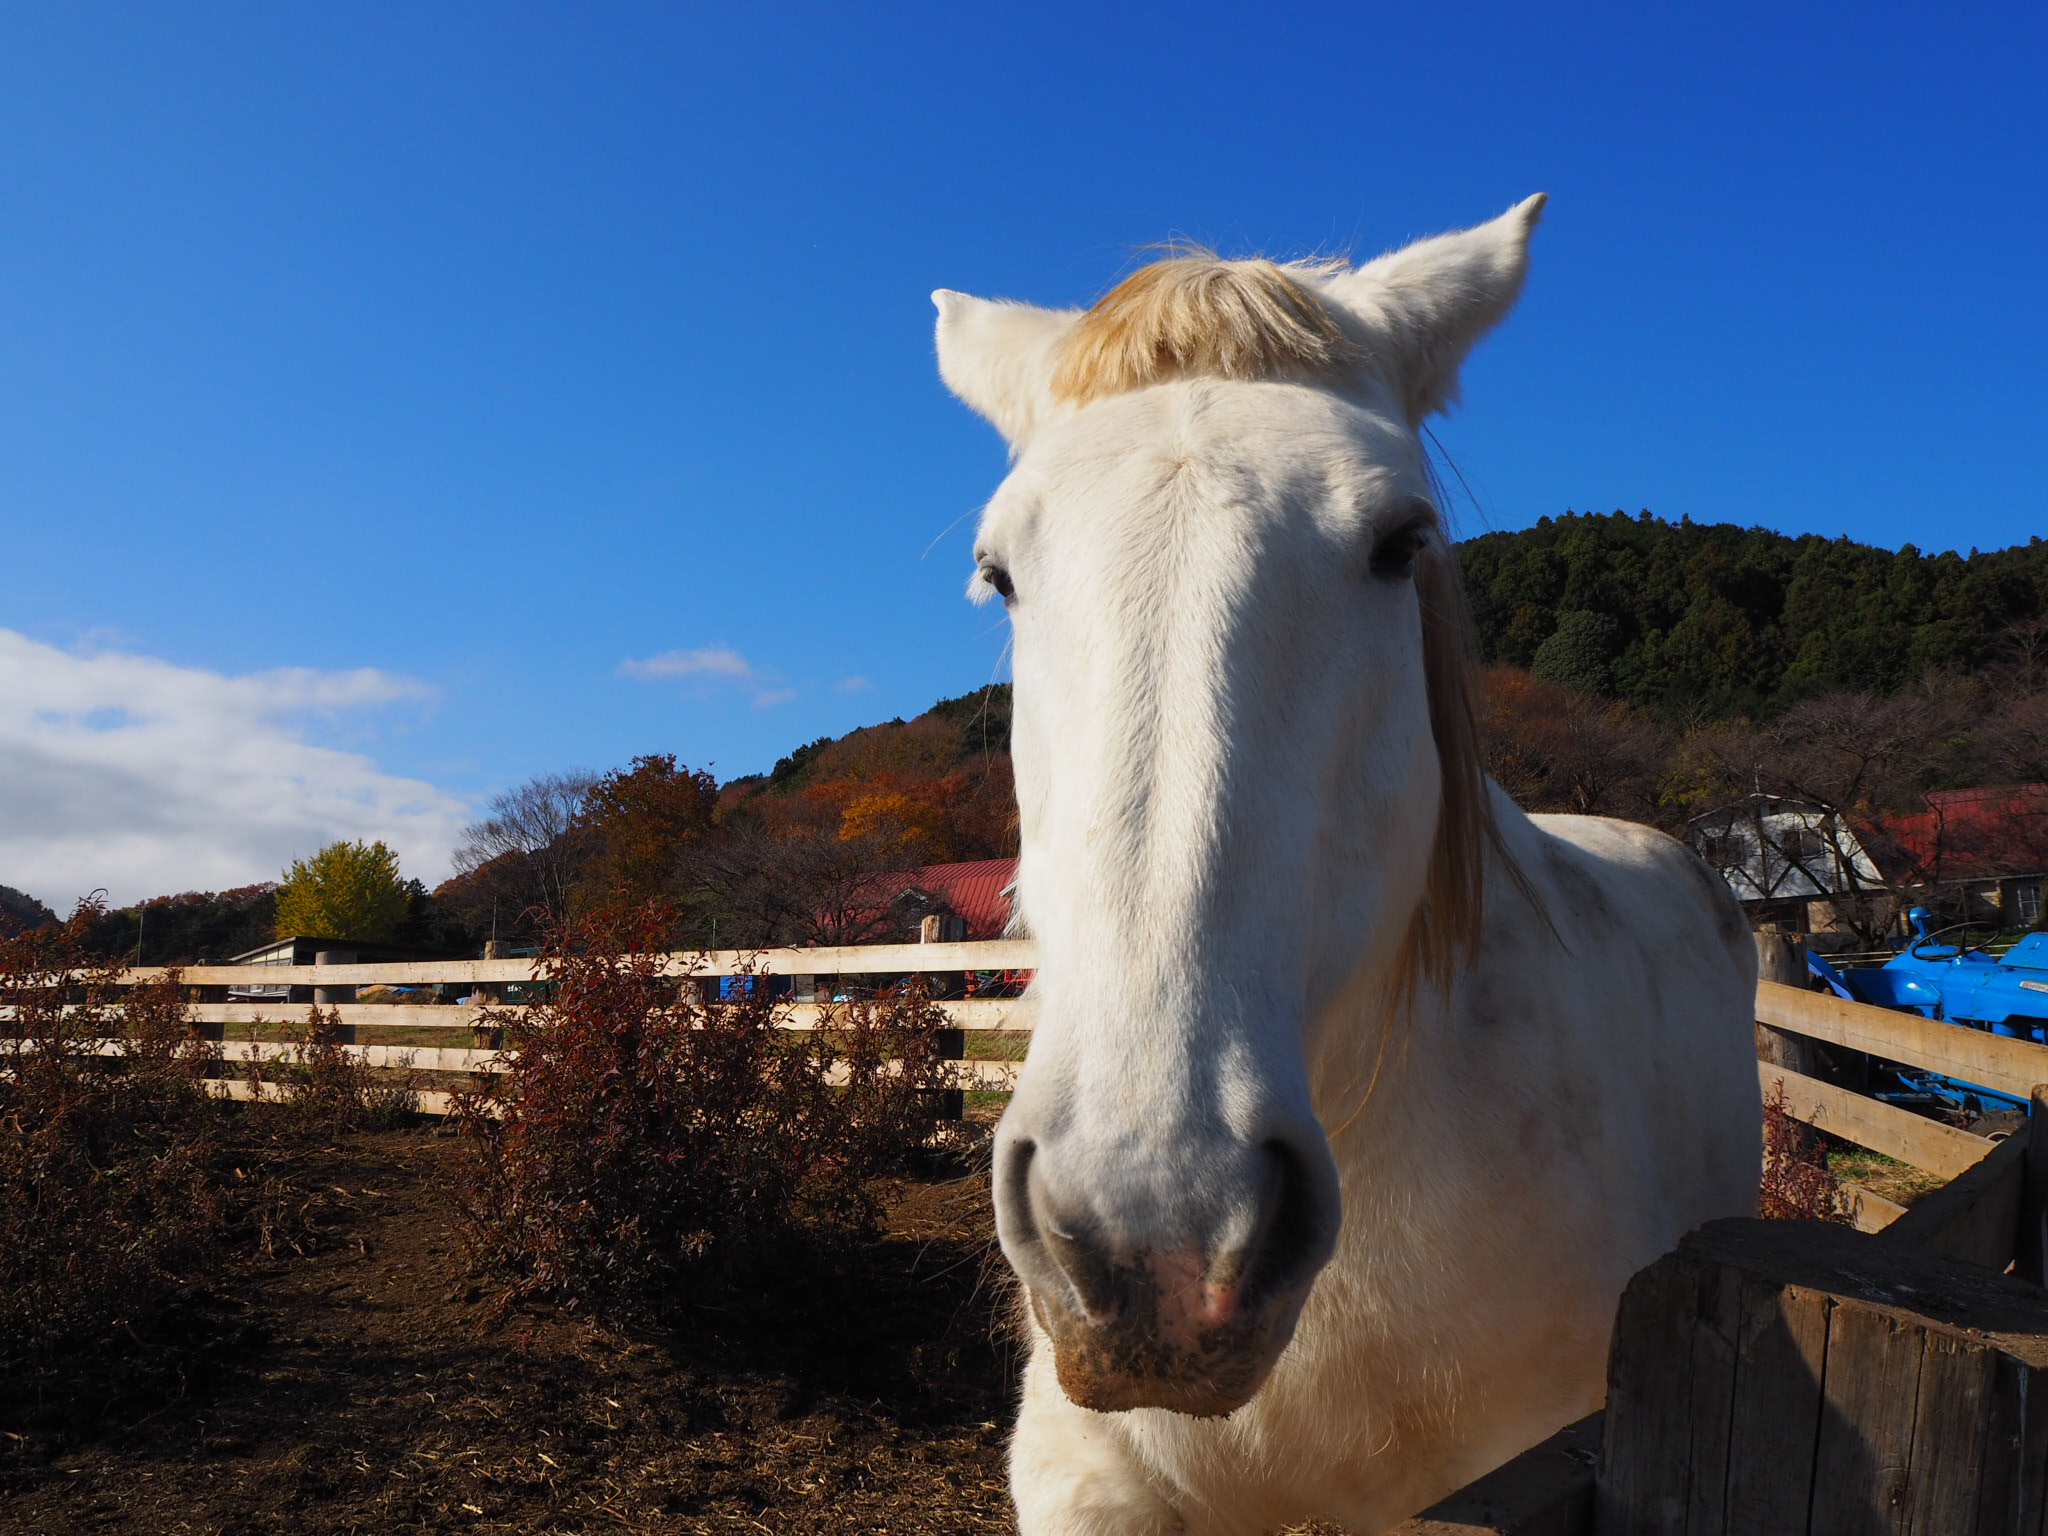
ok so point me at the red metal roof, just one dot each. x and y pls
(973, 890)
(1976, 834)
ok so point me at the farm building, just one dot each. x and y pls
(1803, 867)
(1794, 864)
(306, 949)
(1984, 851)
(971, 900)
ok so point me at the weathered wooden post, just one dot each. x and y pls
(942, 928)
(945, 928)
(1801, 1377)
(488, 994)
(2030, 1259)
(1781, 958)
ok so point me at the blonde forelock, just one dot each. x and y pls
(1196, 315)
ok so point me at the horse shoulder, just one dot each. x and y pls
(1626, 881)
(1619, 1001)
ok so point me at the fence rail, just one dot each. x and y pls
(842, 960)
(2009, 1066)
(976, 1013)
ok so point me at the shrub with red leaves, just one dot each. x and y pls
(1796, 1182)
(320, 1087)
(109, 1193)
(645, 1146)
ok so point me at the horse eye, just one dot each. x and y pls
(999, 578)
(1394, 556)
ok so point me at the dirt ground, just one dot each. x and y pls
(359, 1387)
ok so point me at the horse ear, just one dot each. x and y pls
(1425, 305)
(998, 357)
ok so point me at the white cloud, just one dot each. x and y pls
(711, 665)
(852, 684)
(711, 660)
(147, 778)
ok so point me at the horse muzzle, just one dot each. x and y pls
(1178, 1304)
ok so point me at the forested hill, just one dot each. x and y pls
(1699, 621)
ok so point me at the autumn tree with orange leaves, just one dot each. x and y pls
(640, 820)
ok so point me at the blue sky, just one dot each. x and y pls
(423, 397)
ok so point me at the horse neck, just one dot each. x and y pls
(1379, 1061)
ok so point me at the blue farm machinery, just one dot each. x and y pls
(1943, 975)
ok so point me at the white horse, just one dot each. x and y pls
(1356, 1094)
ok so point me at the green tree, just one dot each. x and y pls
(349, 890)
(1580, 652)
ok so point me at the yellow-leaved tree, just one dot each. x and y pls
(349, 890)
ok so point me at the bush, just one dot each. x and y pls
(109, 1192)
(1797, 1183)
(644, 1148)
(319, 1085)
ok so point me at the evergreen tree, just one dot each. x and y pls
(1713, 621)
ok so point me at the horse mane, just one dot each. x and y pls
(1195, 315)
(1445, 930)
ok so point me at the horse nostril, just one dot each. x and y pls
(1013, 1189)
(1297, 1231)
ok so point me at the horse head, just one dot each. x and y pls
(1246, 772)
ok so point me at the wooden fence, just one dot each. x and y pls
(1767, 1377)
(451, 1037)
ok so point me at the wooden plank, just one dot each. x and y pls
(980, 1013)
(1545, 1491)
(419, 1058)
(844, 960)
(2030, 1247)
(380, 1015)
(1974, 1055)
(2014, 1488)
(432, 1102)
(1868, 1210)
(985, 1076)
(1881, 1127)
(982, 1076)
(1716, 1328)
(1974, 1216)
(1951, 1416)
(1644, 1487)
(1842, 1409)
(1780, 1357)
(1868, 1397)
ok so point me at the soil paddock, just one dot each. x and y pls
(359, 1386)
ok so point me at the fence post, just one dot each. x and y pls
(337, 993)
(327, 996)
(489, 1037)
(2030, 1262)
(1796, 1375)
(942, 928)
(490, 991)
(1782, 959)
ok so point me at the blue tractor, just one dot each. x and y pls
(1949, 975)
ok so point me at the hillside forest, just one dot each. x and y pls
(1628, 666)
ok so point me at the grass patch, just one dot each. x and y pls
(1900, 1183)
(997, 1044)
